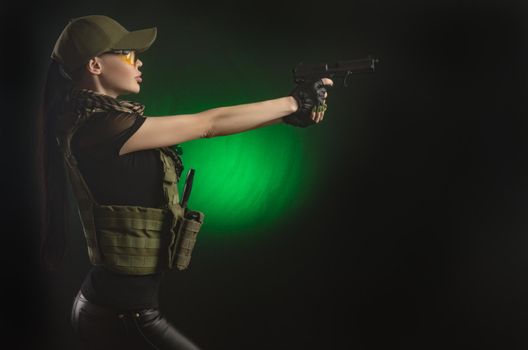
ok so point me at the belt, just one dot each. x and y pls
(111, 312)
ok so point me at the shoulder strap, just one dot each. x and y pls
(170, 191)
(85, 200)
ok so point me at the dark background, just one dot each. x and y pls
(420, 242)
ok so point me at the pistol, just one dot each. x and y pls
(337, 70)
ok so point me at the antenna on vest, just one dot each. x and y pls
(187, 189)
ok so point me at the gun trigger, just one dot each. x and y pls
(346, 76)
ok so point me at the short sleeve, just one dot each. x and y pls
(104, 133)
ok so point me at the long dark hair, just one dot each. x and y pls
(52, 180)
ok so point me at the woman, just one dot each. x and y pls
(93, 62)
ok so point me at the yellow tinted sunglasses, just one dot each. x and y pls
(129, 56)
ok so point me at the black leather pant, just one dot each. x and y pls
(99, 327)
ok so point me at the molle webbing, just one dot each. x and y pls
(188, 231)
(131, 237)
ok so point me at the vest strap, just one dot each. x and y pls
(170, 191)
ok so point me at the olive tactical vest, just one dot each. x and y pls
(127, 239)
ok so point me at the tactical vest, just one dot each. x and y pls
(129, 239)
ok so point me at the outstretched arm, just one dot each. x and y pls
(164, 131)
(234, 119)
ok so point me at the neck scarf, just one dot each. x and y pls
(85, 101)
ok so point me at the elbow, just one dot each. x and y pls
(208, 131)
(207, 134)
(209, 128)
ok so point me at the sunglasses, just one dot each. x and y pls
(129, 56)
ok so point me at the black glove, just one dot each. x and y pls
(308, 94)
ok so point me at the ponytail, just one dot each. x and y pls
(52, 179)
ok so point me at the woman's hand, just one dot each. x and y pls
(311, 103)
(318, 116)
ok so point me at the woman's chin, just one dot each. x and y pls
(135, 89)
(131, 90)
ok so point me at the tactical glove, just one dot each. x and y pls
(310, 97)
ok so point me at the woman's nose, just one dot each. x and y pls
(139, 63)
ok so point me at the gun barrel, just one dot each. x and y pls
(365, 65)
(339, 68)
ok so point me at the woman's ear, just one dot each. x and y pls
(94, 65)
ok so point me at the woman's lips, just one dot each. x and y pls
(139, 80)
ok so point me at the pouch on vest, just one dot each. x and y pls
(186, 238)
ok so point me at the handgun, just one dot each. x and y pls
(340, 69)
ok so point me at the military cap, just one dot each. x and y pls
(89, 36)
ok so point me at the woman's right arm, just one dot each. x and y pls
(171, 130)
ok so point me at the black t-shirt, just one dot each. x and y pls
(133, 178)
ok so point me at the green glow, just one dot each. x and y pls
(248, 181)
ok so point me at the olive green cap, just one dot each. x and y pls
(89, 36)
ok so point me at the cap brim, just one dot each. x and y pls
(139, 40)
